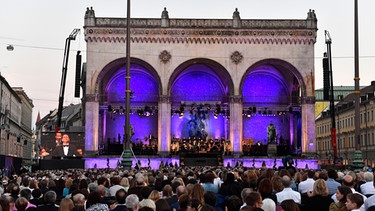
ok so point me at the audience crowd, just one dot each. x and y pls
(173, 188)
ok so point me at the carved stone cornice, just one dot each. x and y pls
(202, 36)
(308, 100)
(207, 23)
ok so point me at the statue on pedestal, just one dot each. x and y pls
(271, 132)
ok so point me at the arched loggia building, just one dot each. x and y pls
(225, 65)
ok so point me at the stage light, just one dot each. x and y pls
(147, 111)
(181, 115)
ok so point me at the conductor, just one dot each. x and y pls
(66, 149)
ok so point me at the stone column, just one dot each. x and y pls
(236, 124)
(91, 130)
(164, 125)
(308, 125)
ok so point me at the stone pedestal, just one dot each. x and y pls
(358, 162)
(126, 161)
(272, 149)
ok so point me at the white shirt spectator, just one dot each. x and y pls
(306, 186)
(367, 188)
(288, 193)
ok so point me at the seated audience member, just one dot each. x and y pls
(341, 194)
(354, 201)
(49, 202)
(287, 192)
(289, 205)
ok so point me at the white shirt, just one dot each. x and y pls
(288, 193)
(306, 186)
(368, 188)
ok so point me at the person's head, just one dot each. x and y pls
(353, 201)
(58, 136)
(310, 174)
(210, 198)
(147, 203)
(332, 173)
(348, 181)
(277, 184)
(368, 176)
(194, 205)
(145, 192)
(342, 192)
(247, 208)
(21, 203)
(265, 186)
(183, 201)
(289, 205)
(198, 192)
(132, 201)
(26, 193)
(286, 181)
(66, 204)
(167, 191)
(65, 139)
(244, 193)
(154, 195)
(268, 205)
(320, 187)
(50, 197)
(36, 193)
(162, 204)
(233, 203)
(4, 204)
(120, 196)
(78, 199)
(254, 199)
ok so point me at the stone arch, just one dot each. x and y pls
(111, 68)
(220, 71)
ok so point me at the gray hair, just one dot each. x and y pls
(50, 197)
(132, 201)
(368, 176)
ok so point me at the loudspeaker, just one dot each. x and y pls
(77, 87)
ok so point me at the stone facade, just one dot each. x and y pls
(233, 47)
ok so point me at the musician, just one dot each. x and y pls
(66, 149)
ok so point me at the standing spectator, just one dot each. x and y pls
(254, 199)
(341, 194)
(233, 203)
(26, 193)
(287, 192)
(209, 183)
(265, 188)
(154, 195)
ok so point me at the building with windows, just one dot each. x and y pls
(345, 129)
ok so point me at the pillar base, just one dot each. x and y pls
(126, 161)
(358, 163)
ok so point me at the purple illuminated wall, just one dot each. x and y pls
(197, 83)
(265, 90)
(145, 90)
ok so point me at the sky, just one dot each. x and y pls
(38, 29)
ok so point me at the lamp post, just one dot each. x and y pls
(126, 154)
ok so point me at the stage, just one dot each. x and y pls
(202, 160)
